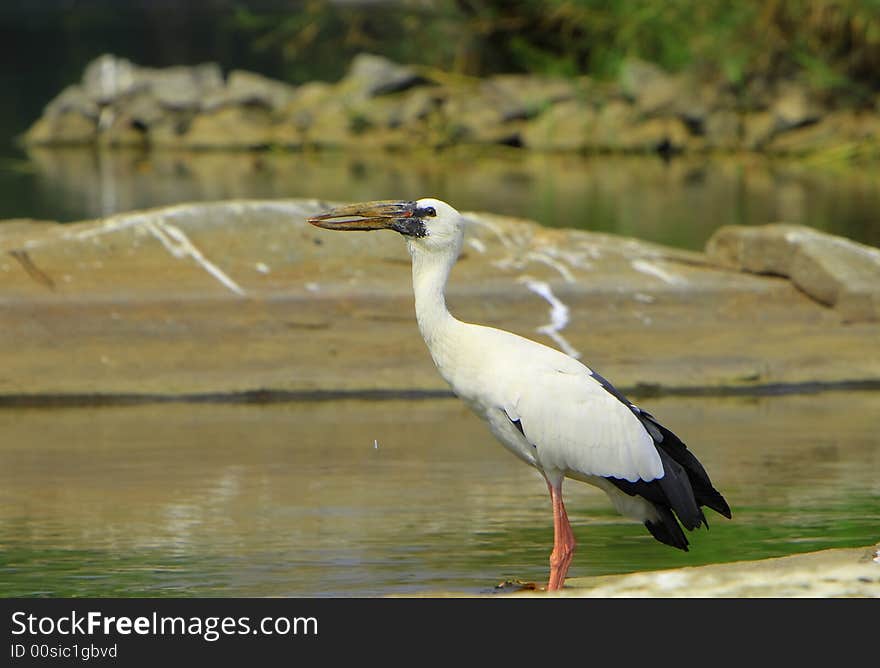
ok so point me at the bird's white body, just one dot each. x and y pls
(547, 408)
(570, 426)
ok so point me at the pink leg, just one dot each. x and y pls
(563, 540)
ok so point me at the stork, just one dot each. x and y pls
(546, 407)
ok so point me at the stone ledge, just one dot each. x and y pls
(244, 297)
(847, 572)
(832, 270)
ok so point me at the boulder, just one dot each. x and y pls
(792, 108)
(700, 98)
(840, 273)
(614, 122)
(73, 99)
(760, 250)
(566, 126)
(69, 127)
(836, 130)
(417, 104)
(183, 87)
(758, 129)
(376, 113)
(662, 135)
(122, 103)
(650, 87)
(521, 96)
(107, 78)
(722, 129)
(129, 120)
(332, 125)
(477, 116)
(170, 129)
(371, 75)
(143, 109)
(832, 270)
(70, 118)
(307, 104)
(245, 88)
(118, 128)
(235, 127)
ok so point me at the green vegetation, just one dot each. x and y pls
(832, 45)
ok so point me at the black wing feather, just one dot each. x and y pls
(684, 488)
(667, 529)
(704, 492)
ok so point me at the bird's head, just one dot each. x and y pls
(428, 224)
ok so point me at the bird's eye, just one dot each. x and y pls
(431, 211)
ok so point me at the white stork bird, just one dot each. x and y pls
(547, 408)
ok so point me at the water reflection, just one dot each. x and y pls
(678, 203)
(249, 500)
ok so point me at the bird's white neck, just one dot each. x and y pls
(430, 273)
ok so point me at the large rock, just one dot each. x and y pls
(650, 87)
(793, 108)
(700, 97)
(307, 104)
(333, 124)
(169, 131)
(248, 89)
(663, 135)
(417, 105)
(244, 296)
(371, 75)
(835, 573)
(722, 129)
(107, 78)
(235, 127)
(521, 96)
(614, 121)
(70, 118)
(120, 129)
(758, 129)
(330, 116)
(567, 126)
(841, 132)
(834, 271)
(65, 128)
(73, 99)
(790, 110)
(142, 108)
(119, 102)
(476, 115)
(183, 87)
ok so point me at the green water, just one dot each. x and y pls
(297, 500)
(679, 203)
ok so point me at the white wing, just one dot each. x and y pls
(577, 426)
(574, 424)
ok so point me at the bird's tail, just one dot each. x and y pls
(681, 494)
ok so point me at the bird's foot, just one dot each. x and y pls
(517, 585)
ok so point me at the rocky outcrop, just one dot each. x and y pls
(379, 103)
(836, 573)
(832, 270)
(245, 297)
